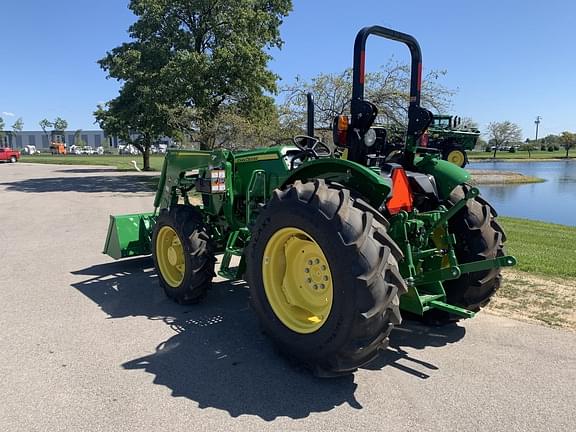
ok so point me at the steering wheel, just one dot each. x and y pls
(312, 147)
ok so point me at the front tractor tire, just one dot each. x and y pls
(183, 254)
(324, 278)
(13, 159)
(479, 237)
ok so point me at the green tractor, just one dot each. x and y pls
(453, 141)
(443, 137)
(335, 245)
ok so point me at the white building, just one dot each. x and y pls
(93, 138)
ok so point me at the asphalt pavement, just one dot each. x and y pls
(92, 344)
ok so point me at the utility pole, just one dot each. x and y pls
(537, 123)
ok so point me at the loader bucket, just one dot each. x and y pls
(129, 235)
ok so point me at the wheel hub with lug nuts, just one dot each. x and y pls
(297, 280)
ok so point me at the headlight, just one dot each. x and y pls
(369, 137)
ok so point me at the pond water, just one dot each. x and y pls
(551, 201)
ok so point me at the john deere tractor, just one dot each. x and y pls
(453, 141)
(335, 244)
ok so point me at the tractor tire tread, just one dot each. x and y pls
(198, 247)
(478, 236)
(378, 282)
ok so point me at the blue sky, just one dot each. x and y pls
(509, 60)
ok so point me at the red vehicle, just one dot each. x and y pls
(9, 155)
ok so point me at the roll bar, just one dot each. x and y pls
(363, 112)
(360, 61)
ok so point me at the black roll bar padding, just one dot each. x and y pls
(310, 115)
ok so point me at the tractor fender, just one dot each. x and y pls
(446, 174)
(367, 182)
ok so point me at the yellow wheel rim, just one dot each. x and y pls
(297, 280)
(456, 157)
(170, 256)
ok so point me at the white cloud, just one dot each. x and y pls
(8, 114)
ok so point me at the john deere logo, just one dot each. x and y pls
(264, 157)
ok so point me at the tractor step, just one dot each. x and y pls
(231, 250)
(440, 305)
(230, 274)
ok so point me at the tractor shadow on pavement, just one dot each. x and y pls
(86, 184)
(218, 356)
(415, 335)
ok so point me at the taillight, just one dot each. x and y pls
(401, 198)
(340, 131)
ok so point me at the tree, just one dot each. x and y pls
(17, 126)
(551, 142)
(78, 141)
(60, 124)
(388, 89)
(528, 146)
(194, 60)
(236, 130)
(568, 140)
(136, 118)
(232, 128)
(46, 124)
(468, 123)
(502, 133)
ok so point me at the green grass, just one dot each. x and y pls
(540, 247)
(122, 163)
(520, 155)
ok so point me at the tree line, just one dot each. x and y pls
(508, 134)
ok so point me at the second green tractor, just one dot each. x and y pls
(335, 245)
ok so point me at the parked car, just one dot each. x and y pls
(508, 148)
(128, 149)
(30, 150)
(9, 155)
(160, 148)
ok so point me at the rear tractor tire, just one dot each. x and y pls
(479, 237)
(324, 278)
(183, 254)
